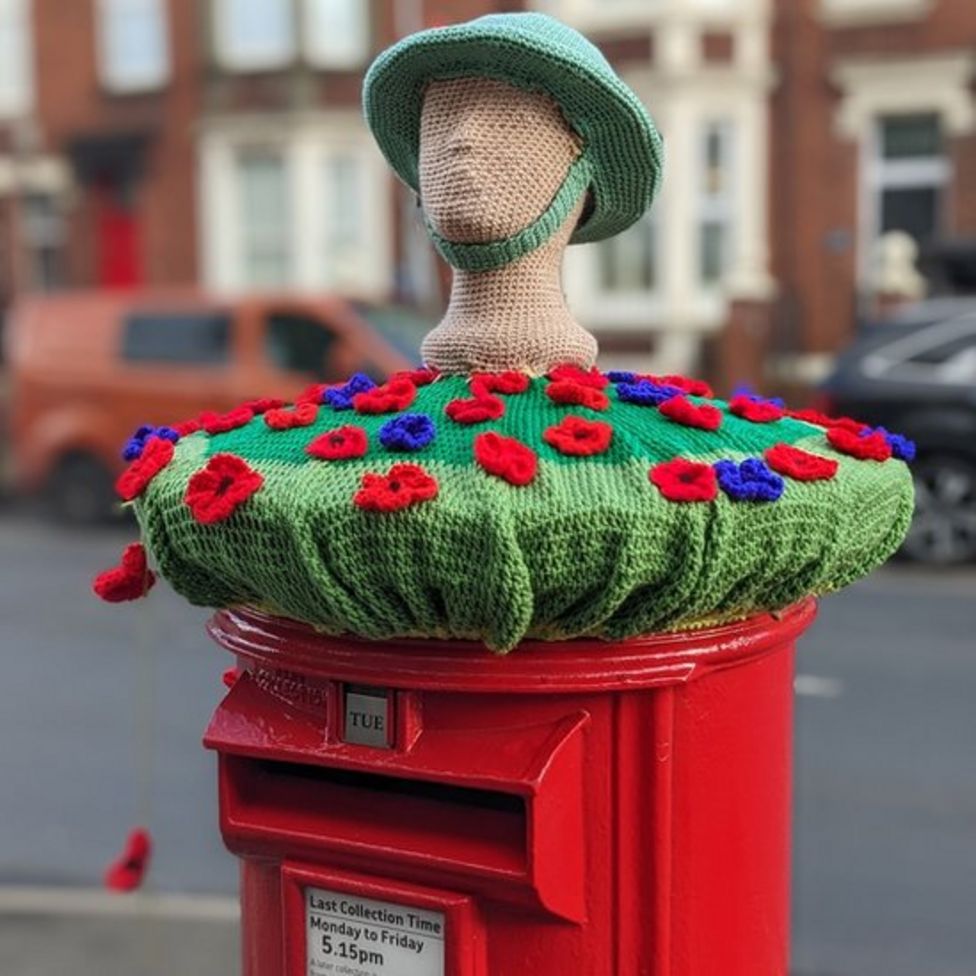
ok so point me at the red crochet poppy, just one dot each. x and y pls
(691, 386)
(800, 465)
(187, 427)
(822, 420)
(312, 394)
(873, 447)
(685, 481)
(264, 404)
(214, 492)
(130, 580)
(508, 383)
(682, 411)
(338, 444)
(157, 453)
(396, 394)
(506, 458)
(302, 415)
(475, 410)
(758, 411)
(577, 436)
(568, 373)
(406, 484)
(419, 377)
(577, 395)
(128, 870)
(220, 423)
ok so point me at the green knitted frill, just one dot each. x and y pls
(555, 528)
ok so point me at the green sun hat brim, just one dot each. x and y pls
(535, 52)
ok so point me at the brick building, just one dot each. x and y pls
(221, 141)
(165, 141)
(798, 132)
(873, 124)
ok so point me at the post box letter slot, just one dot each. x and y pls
(501, 807)
(355, 811)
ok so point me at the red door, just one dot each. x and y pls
(118, 238)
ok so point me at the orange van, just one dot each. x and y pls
(86, 369)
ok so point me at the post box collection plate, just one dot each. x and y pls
(351, 936)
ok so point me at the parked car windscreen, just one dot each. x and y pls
(402, 328)
(197, 338)
(299, 343)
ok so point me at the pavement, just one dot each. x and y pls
(102, 708)
(44, 931)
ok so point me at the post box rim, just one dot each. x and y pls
(535, 667)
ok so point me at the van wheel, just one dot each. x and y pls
(80, 491)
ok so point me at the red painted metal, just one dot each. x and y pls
(576, 808)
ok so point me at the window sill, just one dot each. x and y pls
(835, 13)
(116, 90)
(636, 310)
(246, 66)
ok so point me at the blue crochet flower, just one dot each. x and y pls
(621, 376)
(340, 397)
(408, 432)
(744, 390)
(902, 447)
(133, 449)
(136, 443)
(749, 481)
(646, 393)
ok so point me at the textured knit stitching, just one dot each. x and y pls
(588, 547)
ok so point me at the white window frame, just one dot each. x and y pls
(902, 86)
(719, 207)
(285, 242)
(244, 61)
(602, 307)
(152, 76)
(320, 53)
(366, 267)
(17, 73)
(630, 295)
(45, 231)
(880, 174)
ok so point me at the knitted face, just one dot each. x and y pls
(492, 157)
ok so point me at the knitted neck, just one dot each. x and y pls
(513, 317)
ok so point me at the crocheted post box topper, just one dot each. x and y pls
(511, 490)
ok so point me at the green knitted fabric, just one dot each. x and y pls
(588, 547)
(621, 146)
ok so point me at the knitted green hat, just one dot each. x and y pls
(498, 507)
(621, 160)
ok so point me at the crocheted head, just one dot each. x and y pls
(515, 492)
(620, 152)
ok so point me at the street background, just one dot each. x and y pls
(209, 158)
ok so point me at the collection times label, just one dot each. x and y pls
(350, 936)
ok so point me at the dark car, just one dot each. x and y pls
(915, 374)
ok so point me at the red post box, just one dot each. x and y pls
(423, 808)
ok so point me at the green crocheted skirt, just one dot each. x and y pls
(503, 508)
